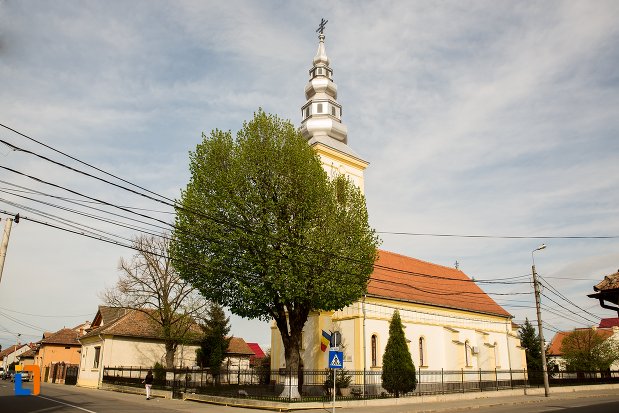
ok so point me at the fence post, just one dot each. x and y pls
(480, 388)
(462, 382)
(511, 379)
(442, 381)
(526, 379)
(418, 380)
(496, 379)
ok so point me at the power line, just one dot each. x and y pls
(82, 162)
(425, 234)
(560, 295)
(567, 309)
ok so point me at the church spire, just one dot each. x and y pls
(321, 121)
(321, 112)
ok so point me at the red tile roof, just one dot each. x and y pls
(557, 341)
(610, 282)
(129, 323)
(404, 278)
(238, 346)
(255, 347)
(609, 322)
(66, 336)
(10, 350)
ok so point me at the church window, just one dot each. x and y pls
(374, 351)
(422, 350)
(319, 108)
(467, 353)
(319, 71)
(333, 110)
(307, 112)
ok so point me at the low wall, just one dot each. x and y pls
(166, 394)
(390, 401)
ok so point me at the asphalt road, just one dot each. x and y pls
(55, 398)
(70, 399)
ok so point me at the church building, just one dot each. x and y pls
(450, 323)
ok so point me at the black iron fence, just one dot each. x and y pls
(317, 385)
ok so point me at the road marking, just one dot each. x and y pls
(67, 404)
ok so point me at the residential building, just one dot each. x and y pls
(58, 350)
(555, 353)
(10, 355)
(123, 337)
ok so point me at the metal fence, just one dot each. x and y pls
(317, 385)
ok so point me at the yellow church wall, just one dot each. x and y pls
(334, 162)
(446, 333)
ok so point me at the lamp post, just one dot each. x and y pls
(539, 321)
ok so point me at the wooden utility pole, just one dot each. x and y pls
(5, 241)
(539, 323)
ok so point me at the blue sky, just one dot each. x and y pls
(491, 118)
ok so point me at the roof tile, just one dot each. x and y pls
(404, 278)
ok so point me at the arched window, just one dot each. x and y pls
(422, 350)
(374, 351)
(319, 108)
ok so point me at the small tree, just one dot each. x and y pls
(529, 339)
(215, 342)
(589, 350)
(398, 368)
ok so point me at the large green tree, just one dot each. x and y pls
(589, 350)
(529, 339)
(398, 374)
(261, 229)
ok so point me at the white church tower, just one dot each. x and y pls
(322, 121)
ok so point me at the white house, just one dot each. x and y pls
(11, 355)
(123, 337)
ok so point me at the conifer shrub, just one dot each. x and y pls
(399, 376)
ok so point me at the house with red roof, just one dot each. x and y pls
(258, 355)
(57, 351)
(11, 355)
(555, 352)
(129, 337)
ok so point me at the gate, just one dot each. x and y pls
(71, 375)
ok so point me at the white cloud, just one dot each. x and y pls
(477, 118)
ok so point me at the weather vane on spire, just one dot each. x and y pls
(321, 26)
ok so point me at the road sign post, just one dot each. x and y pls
(336, 361)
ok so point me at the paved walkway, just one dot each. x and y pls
(533, 396)
(424, 404)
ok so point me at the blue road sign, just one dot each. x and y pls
(336, 359)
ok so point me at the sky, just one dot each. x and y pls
(477, 117)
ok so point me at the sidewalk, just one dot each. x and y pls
(431, 404)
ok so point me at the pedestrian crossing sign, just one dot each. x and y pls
(336, 359)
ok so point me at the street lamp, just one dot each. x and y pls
(539, 321)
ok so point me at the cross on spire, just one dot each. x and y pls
(321, 26)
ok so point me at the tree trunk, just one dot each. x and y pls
(170, 351)
(292, 343)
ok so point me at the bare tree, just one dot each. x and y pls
(149, 282)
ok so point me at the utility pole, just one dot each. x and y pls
(5, 241)
(539, 322)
